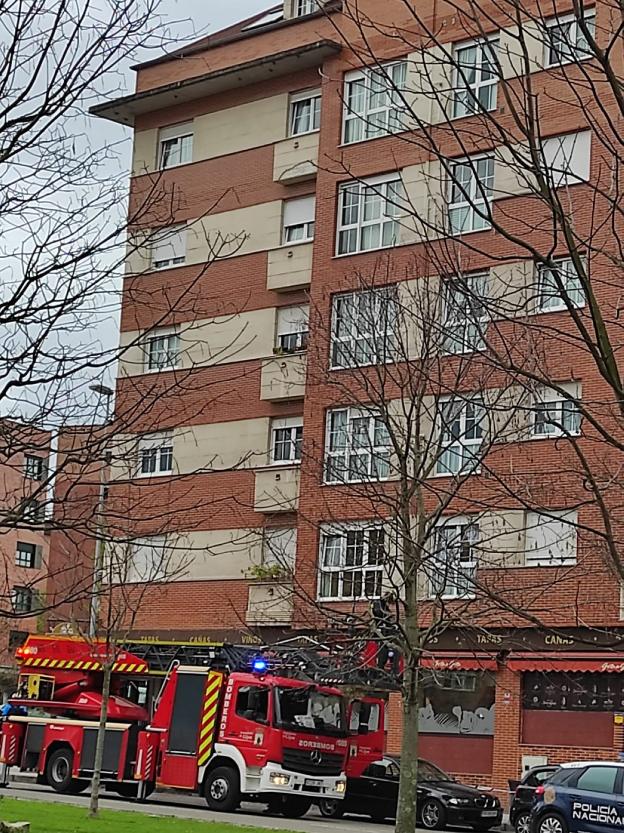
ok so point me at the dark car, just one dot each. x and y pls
(441, 799)
(582, 797)
(524, 795)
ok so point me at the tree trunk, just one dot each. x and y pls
(406, 810)
(101, 736)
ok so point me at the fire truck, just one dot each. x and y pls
(235, 728)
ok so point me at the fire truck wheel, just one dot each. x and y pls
(222, 789)
(294, 807)
(331, 808)
(59, 771)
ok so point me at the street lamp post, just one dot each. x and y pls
(106, 393)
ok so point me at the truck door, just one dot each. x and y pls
(181, 743)
(248, 721)
(367, 744)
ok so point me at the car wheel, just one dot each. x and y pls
(551, 823)
(293, 807)
(331, 808)
(222, 789)
(433, 815)
(59, 772)
(522, 823)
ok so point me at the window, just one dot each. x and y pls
(175, 145)
(373, 103)
(456, 680)
(33, 511)
(34, 467)
(476, 77)
(471, 186)
(169, 247)
(162, 351)
(352, 563)
(279, 548)
(554, 415)
(551, 538)
(567, 158)
(286, 440)
(23, 599)
(455, 559)
(252, 703)
(292, 328)
(565, 41)
(303, 7)
(461, 435)
(559, 283)
(147, 559)
(465, 314)
(299, 220)
(364, 327)
(27, 555)
(598, 779)
(367, 214)
(357, 446)
(305, 113)
(155, 455)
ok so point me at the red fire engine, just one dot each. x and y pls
(226, 733)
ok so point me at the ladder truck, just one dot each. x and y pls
(232, 729)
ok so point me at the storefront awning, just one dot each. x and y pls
(596, 663)
(459, 662)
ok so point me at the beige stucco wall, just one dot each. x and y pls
(425, 203)
(144, 151)
(428, 85)
(238, 232)
(516, 54)
(290, 267)
(296, 158)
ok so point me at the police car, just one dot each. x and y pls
(582, 797)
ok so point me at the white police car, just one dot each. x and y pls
(581, 797)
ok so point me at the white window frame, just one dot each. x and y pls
(34, 556)
(301, 8)
(170, 350)
(26, 592)
(372, 452)
(376, 332)
(291, 429)
(465, 313)
(458, 444)
(160, 448)
(562, 520)
(460, 574)
(279, 547)
(351, 542)
(574, 37)
(33, 511)
(569, 278)
(177, 136)
(567, 158)
(295, 233)
(352, 225)
(564, 414)
(470, 198)
(370, 113)
(291, 335)
(173, 238)
(34, 467)
(312, 117)
(471, 92)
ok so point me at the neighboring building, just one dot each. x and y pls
(24, 541)
(247, 132)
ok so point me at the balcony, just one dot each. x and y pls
(283, 378)
(270, 603)
(277, 489)
(290, 267)
(296, 159)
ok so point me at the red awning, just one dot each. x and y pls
(459, 662)
(597, 663)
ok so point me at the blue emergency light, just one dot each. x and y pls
(260, 666)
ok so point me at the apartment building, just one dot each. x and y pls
(283, 210)
(24, 540)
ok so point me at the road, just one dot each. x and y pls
(192, 807)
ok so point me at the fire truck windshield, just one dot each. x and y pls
(309, 710)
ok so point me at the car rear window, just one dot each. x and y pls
(562, 776)
(598, 779)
